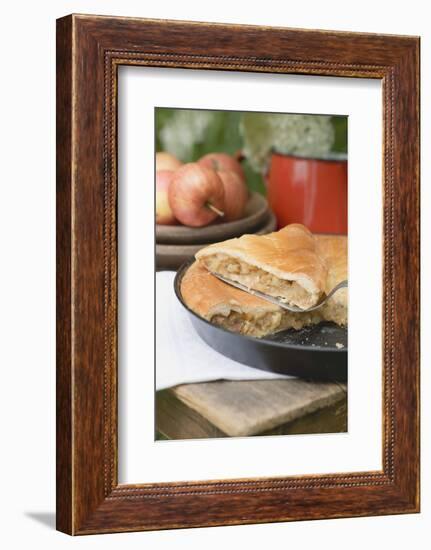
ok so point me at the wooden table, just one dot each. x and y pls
(264, 407)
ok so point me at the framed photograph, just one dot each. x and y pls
(237, 274)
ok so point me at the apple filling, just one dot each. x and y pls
(266, 323)
(255, 278)
(335, 312)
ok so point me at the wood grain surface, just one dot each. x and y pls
(246, 408)
(89, 51)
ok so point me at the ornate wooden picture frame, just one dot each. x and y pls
(89, 51)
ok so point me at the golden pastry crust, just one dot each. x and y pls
(333, 249)
(241, 312)
(289, 255)
(208, 296)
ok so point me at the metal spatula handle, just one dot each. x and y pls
(279, 301)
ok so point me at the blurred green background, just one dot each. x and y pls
(189, 134)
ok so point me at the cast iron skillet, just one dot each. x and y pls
(309, 353)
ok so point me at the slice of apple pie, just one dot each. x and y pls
(284, 264)
(235, 310)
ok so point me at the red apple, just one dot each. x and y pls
(222, 162)
(196, 195)
(164, 215)
(235, 195)
(166, 161)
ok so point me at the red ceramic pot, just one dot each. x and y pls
(309, 191)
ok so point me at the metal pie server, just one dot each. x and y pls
(279, 301)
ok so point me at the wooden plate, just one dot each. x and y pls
(171, 256)
(256, 212)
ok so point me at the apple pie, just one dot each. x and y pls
(312, 265)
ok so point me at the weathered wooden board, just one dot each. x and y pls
(242, 408)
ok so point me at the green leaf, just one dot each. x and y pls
(340, 127)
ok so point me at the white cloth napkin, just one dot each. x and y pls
(181, 356)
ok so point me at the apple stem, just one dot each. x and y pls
(215, 209)
(239, 155)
